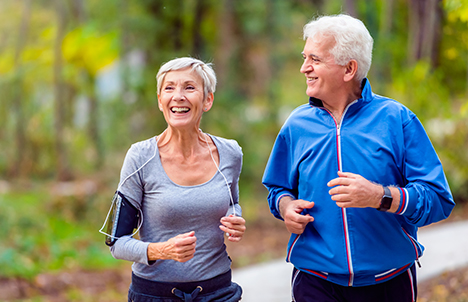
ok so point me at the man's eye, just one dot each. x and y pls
(190, 87)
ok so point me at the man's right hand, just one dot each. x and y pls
(291, 209)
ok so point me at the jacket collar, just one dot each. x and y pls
(366, 94)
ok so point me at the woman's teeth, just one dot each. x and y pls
(179, 110)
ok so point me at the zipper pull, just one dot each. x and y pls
(419, 264)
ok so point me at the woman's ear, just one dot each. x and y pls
(159, 105)
(208, 103)
(350, 70)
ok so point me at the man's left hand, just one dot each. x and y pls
(354, 191)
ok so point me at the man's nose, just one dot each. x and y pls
(306, 67)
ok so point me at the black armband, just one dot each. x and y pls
(124, 219)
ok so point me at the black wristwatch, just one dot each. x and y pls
(386, 202)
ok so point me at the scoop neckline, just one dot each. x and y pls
(192, 186)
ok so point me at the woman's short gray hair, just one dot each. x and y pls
(204, 70)
(352, 40)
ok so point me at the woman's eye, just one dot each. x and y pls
(168, 88)
(190, 87)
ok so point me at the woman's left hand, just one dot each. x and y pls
(234, 226)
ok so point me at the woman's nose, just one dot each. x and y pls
(178, 94)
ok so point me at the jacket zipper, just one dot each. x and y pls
(343, 210)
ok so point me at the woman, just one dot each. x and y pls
(185, 185)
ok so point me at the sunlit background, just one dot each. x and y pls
(77, 88)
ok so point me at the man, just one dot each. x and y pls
(353, 175)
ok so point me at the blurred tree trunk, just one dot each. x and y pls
(177, 26)
(275, 62)
(79, 10)
(252, 49)
(241, 43)
(93, 122)
(318, 4)
(386, 18)
(124, 47)
(18, 101)
(425, 29)
(350, 8)
(227, 42)
(63, 172)
(383, 54)
(158, 40)
(198, 42)
(167, 30)
(94, 134)
(466, 85)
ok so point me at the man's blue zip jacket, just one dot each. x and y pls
(381, 140)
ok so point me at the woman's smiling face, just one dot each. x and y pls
(182, 98)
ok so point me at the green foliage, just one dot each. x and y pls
(422, 90)
(85, 47)
(453, 148)
(456, 9)
(43, 232)
(454, 46)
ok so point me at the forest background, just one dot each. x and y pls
(77, 83)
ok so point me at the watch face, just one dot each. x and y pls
(386, 201)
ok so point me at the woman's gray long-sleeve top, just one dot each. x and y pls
(170, 209)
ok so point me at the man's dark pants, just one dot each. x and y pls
(309, 288)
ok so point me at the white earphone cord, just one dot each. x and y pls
(118, 188)
(217, 168)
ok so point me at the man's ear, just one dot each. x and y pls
(350, 70)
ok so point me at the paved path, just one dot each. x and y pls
(446, 249)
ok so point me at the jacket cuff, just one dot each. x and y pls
(408, 201)
(278, 200)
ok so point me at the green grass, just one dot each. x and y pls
(43, 233)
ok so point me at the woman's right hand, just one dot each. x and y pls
(179, 248)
